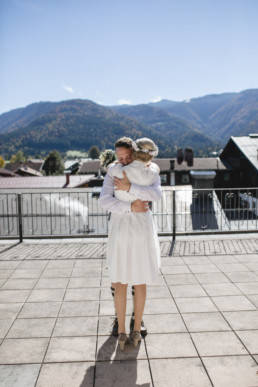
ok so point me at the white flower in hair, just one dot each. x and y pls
(145, 150)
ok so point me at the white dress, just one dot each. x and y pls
(133, 252)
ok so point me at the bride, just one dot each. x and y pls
(133, 253)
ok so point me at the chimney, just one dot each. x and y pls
(67, 173)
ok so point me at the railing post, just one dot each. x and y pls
(20, 217)
(174, 215)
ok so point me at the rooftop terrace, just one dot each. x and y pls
(56, 312)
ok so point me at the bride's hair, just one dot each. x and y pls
(144, 149)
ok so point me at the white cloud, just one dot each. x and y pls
(68, 88)
(157, 99)
(123, 101)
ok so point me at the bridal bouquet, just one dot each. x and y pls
(107, 157)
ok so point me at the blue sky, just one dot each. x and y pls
(125, 51)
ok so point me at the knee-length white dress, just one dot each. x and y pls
(133, 252)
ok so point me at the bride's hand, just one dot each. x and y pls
(122, 184)
(140, 206)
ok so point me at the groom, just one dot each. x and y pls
(123, 149)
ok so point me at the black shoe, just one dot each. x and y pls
(143, 327)
(114, 331)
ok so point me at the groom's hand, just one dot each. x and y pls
(122, 184)
(139, 206)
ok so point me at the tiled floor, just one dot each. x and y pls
(56, 312)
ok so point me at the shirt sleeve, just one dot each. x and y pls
(107, 200)
(151, 192)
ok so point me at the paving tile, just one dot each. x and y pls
(41, 295)
(158, 306)
(197, 260)
(89, 282)
(27, 273)
(2, 281)
(223, 259)
(211, 278)
(248, 287)
(224, 289)
(33, 264)
(250, 340)
(5, 325)
(252, 266)
(9, 265)
(18, 283)
(61, 264)
(205, 322)
(106, 324)
(172, 269)
(243, 276)
(10, 311)
(190, 305)
(164, 323)
(76, 326)
(24, 328)
(167, 371)
(82, 294)
(23, 351)
(87, 263)
(40, 309)
(70, 349)
(86, 272)
(209, 268)
(66, 375)
(177, 261)
(254, 299)
(233, 303)
(13, 295)
(237, 371)
(170, 345)
(52, 283)
(158, 292)
(108, 350)
(57, 273)
(232, 267)
(23, 375)
(5, 273)
(218, 344)
(187, 291)
(123, 373)
(79, 309)
(180, 279)
(242, 320)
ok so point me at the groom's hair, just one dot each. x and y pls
(124, 142)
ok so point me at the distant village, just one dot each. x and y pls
(235, 167)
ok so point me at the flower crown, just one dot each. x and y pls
(145, 150)
(107, 157)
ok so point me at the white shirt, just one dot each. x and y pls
(111, 204)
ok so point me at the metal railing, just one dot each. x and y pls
(77, 213)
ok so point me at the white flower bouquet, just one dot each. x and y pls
(107, 157)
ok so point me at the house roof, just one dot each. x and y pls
(44, 181)
(34, 164)
(28, 171)
(200, 164)
(249, 147)
(5, 173)
(90, 167)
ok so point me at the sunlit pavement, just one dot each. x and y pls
(56, 312)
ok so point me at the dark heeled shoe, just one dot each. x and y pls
(122, 339)
(136, 336)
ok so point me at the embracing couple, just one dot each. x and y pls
(133, 253)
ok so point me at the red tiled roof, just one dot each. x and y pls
(199, 163)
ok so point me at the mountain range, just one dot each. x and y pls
(205, 124)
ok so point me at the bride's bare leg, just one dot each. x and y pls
(139, 303)
(120, 303)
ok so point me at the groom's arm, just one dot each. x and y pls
(107, 199)
(111, 204)
(151, 193)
